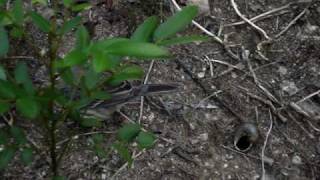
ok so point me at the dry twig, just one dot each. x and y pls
(265, 144)
(262, 16)
(216, 38)
(308, 96)
(260, 30)
(142, 97)
(266, 102)
(267, 160)
(292, 22)
(125, 165)
(84, 134)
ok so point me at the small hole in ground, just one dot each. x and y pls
(243, 143)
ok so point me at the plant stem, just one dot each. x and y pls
(53, 48)
(52, 56)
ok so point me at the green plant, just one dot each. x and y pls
(48, 107)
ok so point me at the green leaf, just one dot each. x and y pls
(90, 122)
(69, 25)
(80, 7)
(183, 40)
(42, 2)
(4, 42)
(103, 61)
(83, 102)
(100, 95)
(22, 77)
(175, 23)
(5, 18)
(16, 32)
(100, 151)
(137, 49)
(3, 137)
(102, 45)
(2, 2)
(18, 135)
(17, 12)
(146, 140)
(27, 156)
(67, 76)
(59, 178)
(128, 132)
(75, 57)
(82, 36)
(91, 79)
(67, 3)
(28, 107)
(98, 138)
(7, 90)
(3, 75)
(124, 152)
(42, 23)
(127, 73)
(4, 107)
(6, 156)
(144, 32)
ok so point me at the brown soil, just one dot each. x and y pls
(196, 129)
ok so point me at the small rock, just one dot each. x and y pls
(240, 65)
(203, 5)
(151, 117)
(103, 176)
(234, 75)
(289, 87)
(282, 70)
(203, 137)
(229, 156)
(192, 126)
(194, 141)
(225, 165)
(201, 75)
(296, 160)
(310, 29)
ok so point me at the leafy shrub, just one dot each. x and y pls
(48, 106)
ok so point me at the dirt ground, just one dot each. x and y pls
(275, 89)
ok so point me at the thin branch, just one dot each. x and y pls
(261, 16)
(235, 7)
(125, 165)
(216, 38)
(142, 97)
(265, 144)
(308, 97)
(292, 22)
(84, 134)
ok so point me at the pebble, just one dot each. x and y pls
(296, 160)
(234, 75)
(229, 156)
(201, 75)
(282, 70)
(225, 165)
(203, 137)
(289, 87)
